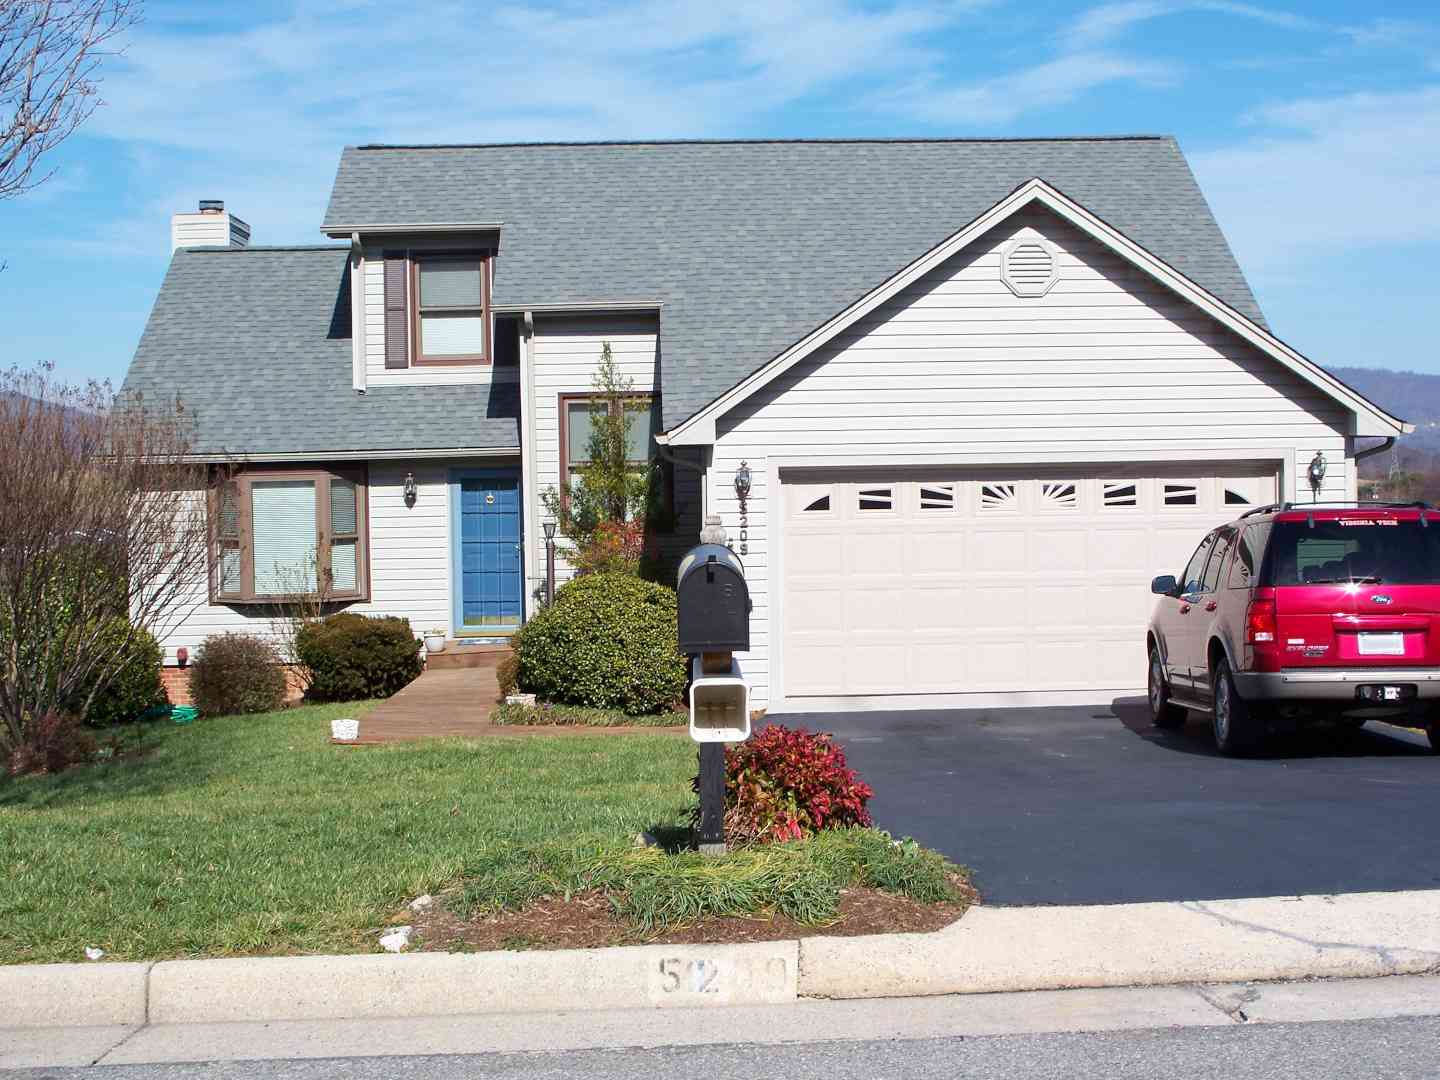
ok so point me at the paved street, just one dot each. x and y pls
(1091, 805)
(1396, 1048)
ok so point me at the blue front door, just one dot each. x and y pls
(489, 591)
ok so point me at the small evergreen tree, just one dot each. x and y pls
(603, 510)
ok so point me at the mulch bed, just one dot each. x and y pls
(586, 922)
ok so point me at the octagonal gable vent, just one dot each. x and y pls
(1028, 267)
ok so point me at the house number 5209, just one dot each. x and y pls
(694, 976)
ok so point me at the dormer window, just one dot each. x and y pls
(437, 308)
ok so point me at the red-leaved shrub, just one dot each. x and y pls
(618, 547)
(50, 744)
(789, 783)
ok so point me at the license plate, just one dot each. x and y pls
(1388, 644)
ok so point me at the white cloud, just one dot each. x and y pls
(1327, 175)
(257, 115)
(1001, 100)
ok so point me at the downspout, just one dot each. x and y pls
(357, 314)
(529, 478)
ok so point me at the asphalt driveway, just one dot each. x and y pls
(1091, 805)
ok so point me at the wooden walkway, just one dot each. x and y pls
(442, 701)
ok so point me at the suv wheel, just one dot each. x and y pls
(1163, 714)
(1237, 728)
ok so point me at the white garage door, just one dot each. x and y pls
(951, 583)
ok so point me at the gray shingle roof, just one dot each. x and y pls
(257, 344)
(753, 244)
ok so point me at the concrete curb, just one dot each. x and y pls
(73, 995)
(991, 949)
(999, 949)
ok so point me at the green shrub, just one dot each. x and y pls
(237, 673)
(609, 642)
(138, 687)
(353, 657)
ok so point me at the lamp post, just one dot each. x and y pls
(549, 528)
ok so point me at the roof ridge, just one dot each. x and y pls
(877, 140)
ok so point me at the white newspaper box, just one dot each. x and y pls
(719, 706)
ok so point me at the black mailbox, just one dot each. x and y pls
(714, 601)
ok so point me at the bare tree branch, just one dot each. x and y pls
(50, 54)
(102, 520)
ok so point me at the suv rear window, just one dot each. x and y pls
(1397, 552)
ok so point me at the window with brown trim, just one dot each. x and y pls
(284, 533)
(576, 413)
(449, 308)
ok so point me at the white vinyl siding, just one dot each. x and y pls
(566, 353)
(957, 370)
(410, 573)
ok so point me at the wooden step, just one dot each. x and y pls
(457, 655)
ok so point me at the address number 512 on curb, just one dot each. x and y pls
(694, 976)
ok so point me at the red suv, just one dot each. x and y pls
(1299, 612)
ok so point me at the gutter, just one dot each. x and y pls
(579, 306)
(342, 231)
(1379, 448)
(355, 455)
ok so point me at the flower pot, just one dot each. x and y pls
(435, 642)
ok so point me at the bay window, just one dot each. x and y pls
(281, 534)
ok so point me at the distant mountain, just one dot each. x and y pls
(1406, 394)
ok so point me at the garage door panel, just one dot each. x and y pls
(873, 607)
(993, 550)
(815, 610)
(874, 667)
(1057, 665)
(997, 607)
(1059, 605)
(868, 551)
(958, 583)
(938, 607)
(814, 554)
(999, 664)
(1057, 550)
(934, 552)
(1119, 549)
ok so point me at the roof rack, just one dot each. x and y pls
(1336, 504)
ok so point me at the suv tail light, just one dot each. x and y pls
(1260, 622)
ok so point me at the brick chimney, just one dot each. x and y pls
(209, 226)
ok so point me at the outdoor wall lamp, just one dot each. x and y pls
(742, 480)
(411, 493)
(1317, 470)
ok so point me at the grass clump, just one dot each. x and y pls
(654, 889)
(544, 714)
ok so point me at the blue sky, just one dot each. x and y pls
(1314, 127)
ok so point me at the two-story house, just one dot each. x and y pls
(983, 390)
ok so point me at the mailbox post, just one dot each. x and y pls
(714, 623)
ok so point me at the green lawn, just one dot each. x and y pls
(255, 835)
